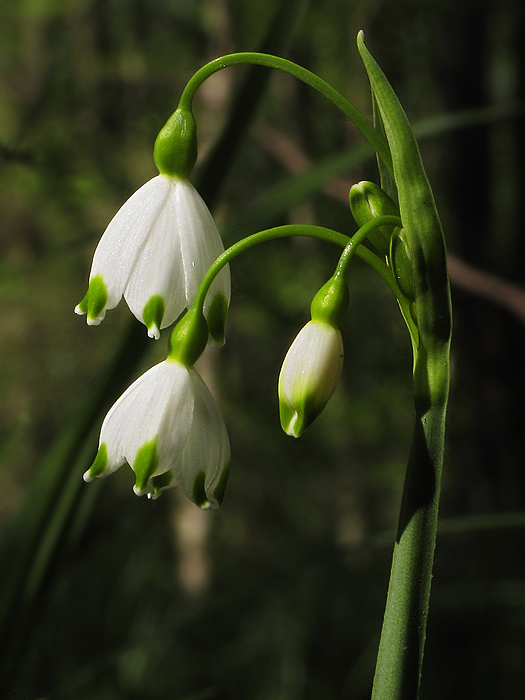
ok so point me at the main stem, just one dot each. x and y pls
(400, 657)
(398, 669)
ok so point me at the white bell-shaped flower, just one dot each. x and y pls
(155, 252)
(309, 375)
(169, 429)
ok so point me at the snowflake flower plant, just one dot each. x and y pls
(163, 253)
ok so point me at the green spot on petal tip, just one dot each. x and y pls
(144, 466)
(153, 314)
(99, 465)
(217, 493)
(97, 299)
(160, 483)
(139, 492)
(198, 493)
(82, 307)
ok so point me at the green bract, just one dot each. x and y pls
(424, 235)
(400, 655)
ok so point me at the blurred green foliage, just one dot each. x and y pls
(280, 596)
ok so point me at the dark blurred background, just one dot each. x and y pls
(104, 596)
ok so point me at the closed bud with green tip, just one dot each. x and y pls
(312, 367)
(368, 201)
(309, 376)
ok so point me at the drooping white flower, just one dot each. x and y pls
(309, 375)
(169, 429)
(155, 252)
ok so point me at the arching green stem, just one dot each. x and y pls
(260, 59)
(351, 245)
(360, 235)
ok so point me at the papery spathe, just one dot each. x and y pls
(309, 375)
(155, 252)
(169, 429)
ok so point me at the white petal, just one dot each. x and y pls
(158, 269)
(200, 240)
(160, 399)
(125, 235)
(207, 450)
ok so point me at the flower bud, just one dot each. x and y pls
(310, 373)
(312, 366)
(368, 201)
(175, 150)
